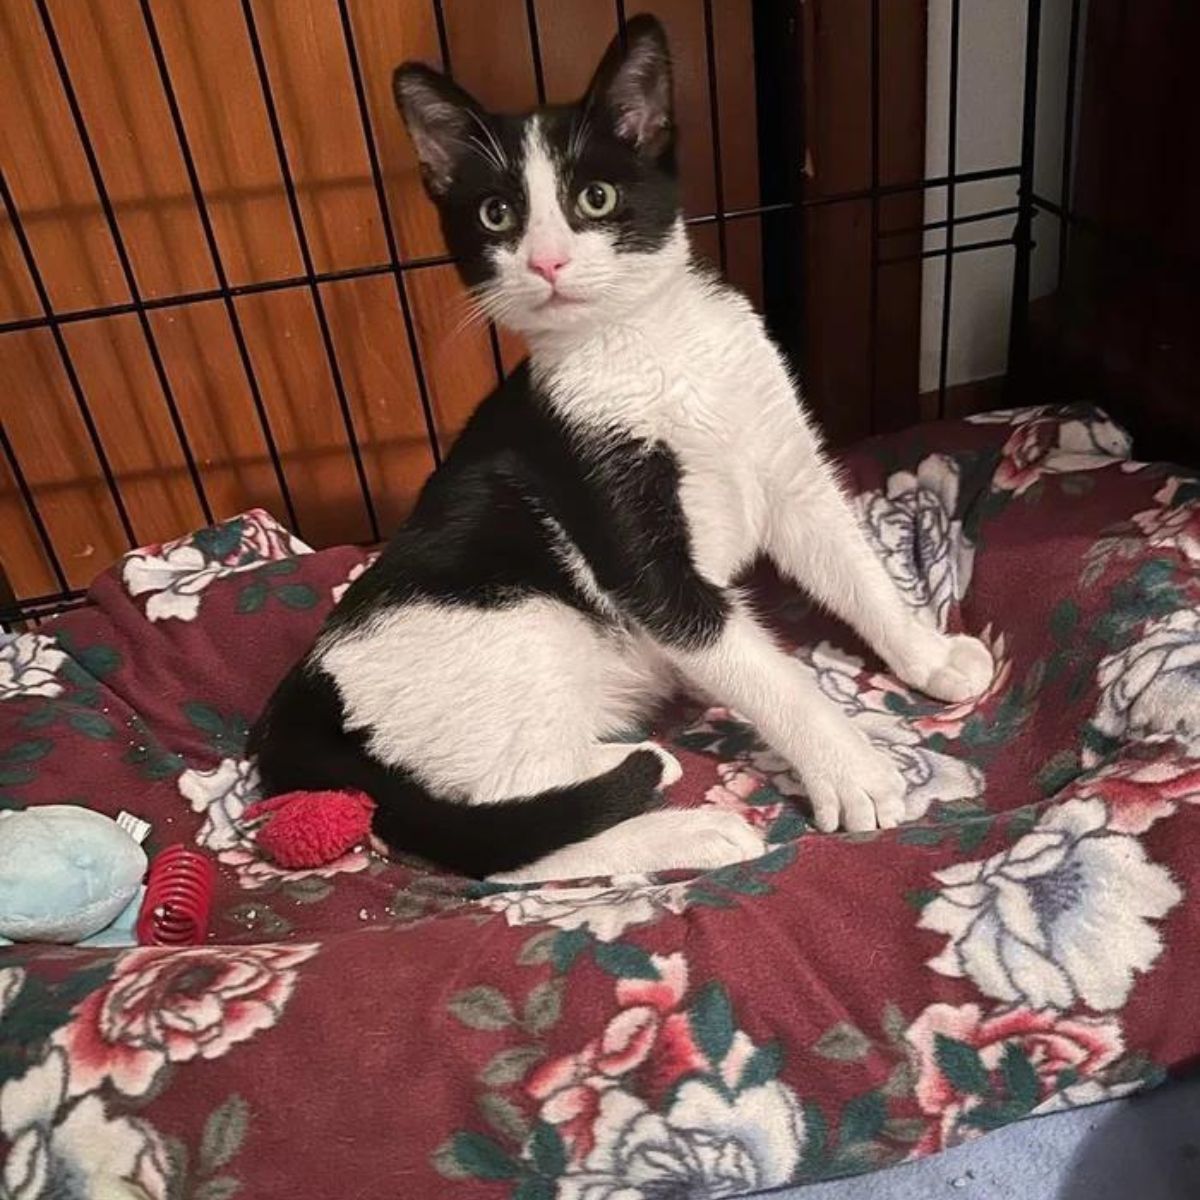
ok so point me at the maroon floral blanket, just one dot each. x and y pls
(1029, 941)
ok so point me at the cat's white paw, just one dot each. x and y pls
(853, 786)
(951, 667)
(712, 837)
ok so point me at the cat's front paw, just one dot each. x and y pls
(952, 667)
(852, 785)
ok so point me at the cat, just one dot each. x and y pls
(575, 558)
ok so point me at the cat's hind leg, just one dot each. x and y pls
(692, 839)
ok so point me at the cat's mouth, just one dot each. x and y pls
(559, 300)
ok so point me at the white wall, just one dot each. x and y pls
(990, 99)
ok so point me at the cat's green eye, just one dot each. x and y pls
(496, 215)
(596, 200)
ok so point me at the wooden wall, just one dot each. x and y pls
(106, 47)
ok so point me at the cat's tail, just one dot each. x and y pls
(473, 839)
(301, 744)
(483, 839)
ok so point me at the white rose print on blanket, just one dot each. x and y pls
(705, 1144)
(64, 1150)
(605, 912)
(728, 1126)
(759, 784)
(175, 574)
(932, 777)
(914, 528)
(1150, 691)
(1061, 917)
(29, 666)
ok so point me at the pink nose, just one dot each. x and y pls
(547, 265)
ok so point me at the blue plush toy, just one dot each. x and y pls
(66, 873)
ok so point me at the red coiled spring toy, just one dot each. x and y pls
(179, 894)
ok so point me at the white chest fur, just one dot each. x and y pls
(696, 372)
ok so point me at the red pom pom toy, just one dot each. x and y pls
(310, 829)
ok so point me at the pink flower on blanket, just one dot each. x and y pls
(743, 790)
(164, 1006)
(1175, 525)
(642, 1110)
(1052, 446)
(1138, 792)
(356, 571)
(966, 1060)
(254, 872)
(648, 1033)
(264, 538)
(949, 719)
(1023, 455)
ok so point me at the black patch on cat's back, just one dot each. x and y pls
(489, 526)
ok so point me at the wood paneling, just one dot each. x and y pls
(52, 445)
(368, 333)
(208, 54)
(310, 80)
(569, 35)
(386, 35)
(46, 171)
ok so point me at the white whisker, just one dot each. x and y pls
(474, 146)
(581, 129)
(486, 153)
(500, 157)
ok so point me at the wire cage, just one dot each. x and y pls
(790, 220)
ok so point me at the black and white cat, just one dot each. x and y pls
(574, 559)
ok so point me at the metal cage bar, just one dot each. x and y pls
(397, 267)
(214, 252)
(68, 364)
(535, 50)
(389, 232)
(714, 119)
(126, 264)
(289, 185)
(307, 279)
(448, 69)
(1068, 141)
(1026, 199)
(876, 165)
(951, 167)
(30, 502)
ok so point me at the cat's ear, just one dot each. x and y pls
(633, 83)
(439, 116)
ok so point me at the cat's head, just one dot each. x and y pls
(565, 217)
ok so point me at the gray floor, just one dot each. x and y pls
(1144, 1148)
